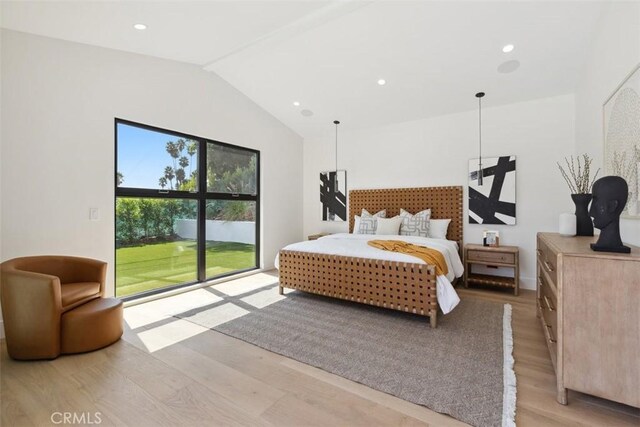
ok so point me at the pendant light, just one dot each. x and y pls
(479, 95)
(335, 177)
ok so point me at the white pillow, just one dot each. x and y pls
(438, 228)
(415, 225)
(368, 222)
(389, 226)
(356, 224)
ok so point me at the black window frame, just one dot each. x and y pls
(201, 196)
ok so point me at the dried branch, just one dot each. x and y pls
(577, 174)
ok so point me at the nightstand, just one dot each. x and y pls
(317, 236)
(490, 256)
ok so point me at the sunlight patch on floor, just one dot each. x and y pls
(217, 315)
(154, 311)
(245, 284)
(155, 325)
(264, 298)
(162, 336)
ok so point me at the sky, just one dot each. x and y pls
(142, 156)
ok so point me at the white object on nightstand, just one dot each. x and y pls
(567, 225)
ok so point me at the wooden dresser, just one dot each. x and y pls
(589, 305)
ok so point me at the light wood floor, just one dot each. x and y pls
(171, 372)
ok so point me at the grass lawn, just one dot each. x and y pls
(145, 267)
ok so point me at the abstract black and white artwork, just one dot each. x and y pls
(333, 201)
(621, 113)
(494, 202)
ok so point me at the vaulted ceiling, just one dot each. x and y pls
(329, 55)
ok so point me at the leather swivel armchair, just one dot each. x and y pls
(37, 291)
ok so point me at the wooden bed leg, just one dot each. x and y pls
(433, 318)
(280, 290)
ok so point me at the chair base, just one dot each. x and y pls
(91, 326)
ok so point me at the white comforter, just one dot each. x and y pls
(355, 245)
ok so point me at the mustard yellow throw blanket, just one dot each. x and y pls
(428, 255)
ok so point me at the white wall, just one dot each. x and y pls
(435, 152)
(59, 100)
(615, 51)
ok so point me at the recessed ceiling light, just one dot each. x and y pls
(140, 27)
(296, 103)
(382, 82)
(507, 48)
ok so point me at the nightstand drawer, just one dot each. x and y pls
(490, 256)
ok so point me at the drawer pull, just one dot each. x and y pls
(550, 330)
(548, 304)
(549, 267)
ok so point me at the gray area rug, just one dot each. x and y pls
(457, 369)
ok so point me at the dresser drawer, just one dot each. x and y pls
(548, 307)
(490, 256)
(548, 261)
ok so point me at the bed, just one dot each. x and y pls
(379, 278)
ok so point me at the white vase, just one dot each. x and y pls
(567, 224)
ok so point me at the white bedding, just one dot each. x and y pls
(355, 245)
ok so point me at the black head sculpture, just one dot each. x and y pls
(610, 195)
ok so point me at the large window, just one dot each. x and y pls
(174, 224)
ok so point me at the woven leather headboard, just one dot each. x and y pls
(444, 202)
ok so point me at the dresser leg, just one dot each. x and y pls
(280, 290)
(562, 396)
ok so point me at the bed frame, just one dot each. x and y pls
(395, 285)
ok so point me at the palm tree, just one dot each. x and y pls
(179, 178)
(183, 162)
(172, 149)
(192, 149)
(168, 173)
(180, 144)
(162, 182)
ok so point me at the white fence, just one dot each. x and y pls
(220, 231)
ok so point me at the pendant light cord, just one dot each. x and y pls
(479, 95)
(336, 147)
(480, 127)
(336, 122)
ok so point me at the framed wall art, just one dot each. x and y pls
(621, 129)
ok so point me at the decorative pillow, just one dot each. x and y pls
(438, 228)
(368, 222)
(356, 224)
(388, 226)
(415, 225)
